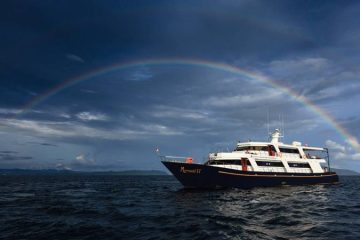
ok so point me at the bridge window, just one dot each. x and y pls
(242, 148)
(317, 154)
(289, 150)
(252, 148)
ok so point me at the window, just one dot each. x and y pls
(242, 148)
(289, 150)
(317, 154)
(252, 148)
(226, 162)
(238, 149)
(299, 165)
(269, 164)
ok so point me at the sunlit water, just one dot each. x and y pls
(156, 207)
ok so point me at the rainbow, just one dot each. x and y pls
(205, 64)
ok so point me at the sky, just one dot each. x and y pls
(99, 85)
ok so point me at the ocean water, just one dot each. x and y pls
(156, 207)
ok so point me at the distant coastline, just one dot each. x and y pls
(345, 172)
(56, 172)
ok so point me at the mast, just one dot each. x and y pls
(275, 136)
(268, 127)
(283, 127)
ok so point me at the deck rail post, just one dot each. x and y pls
(328, 158)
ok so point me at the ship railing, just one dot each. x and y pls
(260, 153)
(174, 158)
(300, 170)
(266, 154)
(270, 169)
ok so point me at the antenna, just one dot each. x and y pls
(268, 124)
(283, 126)
(268, 127)
(280, 127)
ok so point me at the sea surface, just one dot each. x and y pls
(156, 207)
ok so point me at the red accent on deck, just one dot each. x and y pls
(189, 160)
(270, 150)
(244, 164)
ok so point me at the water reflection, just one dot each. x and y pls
(259, 211)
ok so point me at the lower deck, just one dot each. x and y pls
(264, 169)
(264, 165)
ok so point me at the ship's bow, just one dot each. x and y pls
(192, 175)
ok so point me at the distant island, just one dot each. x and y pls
(345, 172)
(55, 171)
(130, 172)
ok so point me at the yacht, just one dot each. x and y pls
(256, 164)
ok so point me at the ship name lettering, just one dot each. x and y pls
(194, 171)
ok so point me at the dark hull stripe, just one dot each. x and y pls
(275, 175)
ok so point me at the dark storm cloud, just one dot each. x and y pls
(353, 123)
(234, 30)
(122, 116)
(8, 152)
(321, 80)
(6, 156)
(44, 144)
(38, 36)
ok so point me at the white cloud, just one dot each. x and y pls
(174, 112)
(243, 99)
(335, 146)
(342, 152)
(75, 58)
(87, 116)
(61, 166)
(79, 130)
(40, 127)
(139, 75)
(9, 111)
(65, 115)
(88, 91)
(80, 158)
(84, 159)
(79, 162)
(157, 129)
(299, 65)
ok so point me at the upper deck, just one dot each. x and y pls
(274, 156)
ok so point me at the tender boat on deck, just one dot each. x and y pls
(253, 164)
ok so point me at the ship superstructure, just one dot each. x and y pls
(273, 156)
